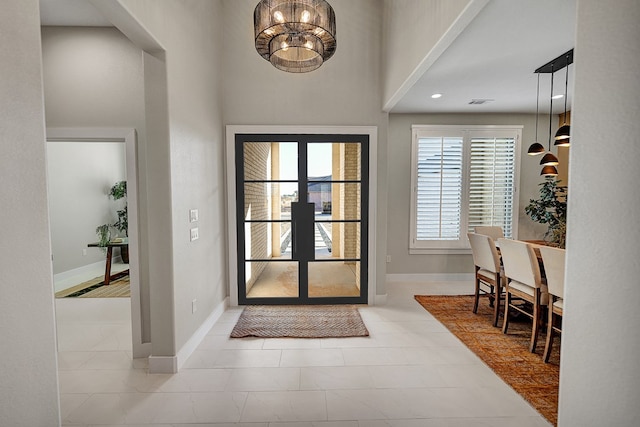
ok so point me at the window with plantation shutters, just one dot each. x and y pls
(462, 177)
(439, 188)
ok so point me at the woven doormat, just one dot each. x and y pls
(304, 321)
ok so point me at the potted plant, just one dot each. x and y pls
(117, 192)
(551, 209)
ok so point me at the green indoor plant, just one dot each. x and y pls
(121, 226)
(551, 209)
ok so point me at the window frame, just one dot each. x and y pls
(461, 245)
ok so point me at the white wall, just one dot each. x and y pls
(346, 90)
(416, 33)
(399, 182)
(600, 372)
(28, 371)
(190, 33)
(79, 176)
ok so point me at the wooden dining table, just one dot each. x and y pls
(535, 244)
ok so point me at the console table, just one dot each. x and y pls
(107, 270)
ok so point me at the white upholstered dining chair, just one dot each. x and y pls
(495, 232)
(524, 285)
(489, 277)
(553, 261)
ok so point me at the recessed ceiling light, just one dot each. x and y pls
(436, 95)
(557, 96)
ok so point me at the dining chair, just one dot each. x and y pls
(495, 232)
(553, 261)
(488, 272)
(524, 285)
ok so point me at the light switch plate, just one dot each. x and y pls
(194, 234)
(193, 215)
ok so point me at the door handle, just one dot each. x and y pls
(302, 241)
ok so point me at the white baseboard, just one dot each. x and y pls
(195, 340)
(430, 277)
(163, 364)
(70, 274)
(171, 364)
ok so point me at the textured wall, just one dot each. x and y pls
(28, 372)
(600, 373)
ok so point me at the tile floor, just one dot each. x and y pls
(411, 372)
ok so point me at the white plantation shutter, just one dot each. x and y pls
(439, 189)
(462, 177)
(492, 182)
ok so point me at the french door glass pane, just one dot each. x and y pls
(273, 161)
(265, 201)
(340, 240)
(334, 279)
(271, 279)
(337, 161)
(335, 201)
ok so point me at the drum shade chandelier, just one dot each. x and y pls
(296, 36)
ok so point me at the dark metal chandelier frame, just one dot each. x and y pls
(296, 36)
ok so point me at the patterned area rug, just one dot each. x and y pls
(300, 321)
(507, 355)
(94, 288)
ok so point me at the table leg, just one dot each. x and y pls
(107, 270)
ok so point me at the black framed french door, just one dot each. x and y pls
(302, 218)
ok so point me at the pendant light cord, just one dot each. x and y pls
(537, 107)
(566, 84)
(551, 108)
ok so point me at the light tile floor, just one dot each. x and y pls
(411, 372)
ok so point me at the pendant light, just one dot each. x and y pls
(563, 134)
(536, 148)
(549, 159)
(296, 36)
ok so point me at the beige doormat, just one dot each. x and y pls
(94, 288)
(300, 321)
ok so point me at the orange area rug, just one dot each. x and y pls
(507, 355)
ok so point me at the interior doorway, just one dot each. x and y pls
(302, 218)
(127, 138)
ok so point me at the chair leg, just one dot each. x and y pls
(496, 310)
(507, 302)
(475, 302)
(536, 325)
(549, 341)
(491, 295)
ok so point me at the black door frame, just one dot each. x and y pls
(303, 140)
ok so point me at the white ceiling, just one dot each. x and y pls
(494, 57)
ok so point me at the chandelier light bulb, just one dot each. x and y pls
(306, 16)
(278, 16)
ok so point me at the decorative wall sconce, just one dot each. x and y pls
(296, 36)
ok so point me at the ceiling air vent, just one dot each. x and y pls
(480, 101)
